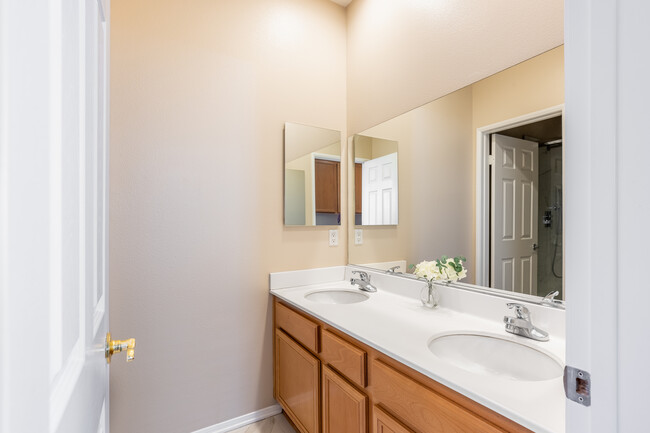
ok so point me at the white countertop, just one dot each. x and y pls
(394, 322)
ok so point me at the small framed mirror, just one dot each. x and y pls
(312, 175)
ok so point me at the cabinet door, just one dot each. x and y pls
(327, 186)
(296, 382)
(344, 408)
(382, 422)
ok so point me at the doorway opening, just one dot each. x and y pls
(520, 208)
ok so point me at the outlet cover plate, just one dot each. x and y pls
(334, 238)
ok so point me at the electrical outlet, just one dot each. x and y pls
(334, 238)
(358, 236)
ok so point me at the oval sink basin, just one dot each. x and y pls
(337, 296)
(495, 356)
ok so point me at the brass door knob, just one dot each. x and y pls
(115, 346)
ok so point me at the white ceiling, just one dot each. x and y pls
(343, 3)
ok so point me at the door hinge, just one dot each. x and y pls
(490, 159)
(577, 385)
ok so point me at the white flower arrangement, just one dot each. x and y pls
(443, 269)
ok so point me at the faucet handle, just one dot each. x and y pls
(392, 270)
(550, 298)
(363, 275)
(520, 310)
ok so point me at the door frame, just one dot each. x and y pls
(594, 42)
(482, 273)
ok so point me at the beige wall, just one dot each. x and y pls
(373, 147)
(301, 140)
(362, 147)
(332, 149)
(403, 54)
(437, 152)
(435, 148)
(530, 86)
(200, 92)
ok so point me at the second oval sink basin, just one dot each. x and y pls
(337, 296)
(495, 356)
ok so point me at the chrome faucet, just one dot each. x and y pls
(521, 324)
(550, 298)
(363, 281)
(393, 270)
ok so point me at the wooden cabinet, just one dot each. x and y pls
(327, 186)
(344, 408)
(344, 357)
(297, 383)
(382, 422)
(420, 407)
(325, 380)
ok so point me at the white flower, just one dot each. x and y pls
(426, 270)
(447, 272)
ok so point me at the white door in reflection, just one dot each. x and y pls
(379, 191)
(514, 214)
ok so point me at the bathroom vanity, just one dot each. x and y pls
(349, 361)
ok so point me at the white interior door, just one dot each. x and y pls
(53, 211)
(514, 214)
(379, 199)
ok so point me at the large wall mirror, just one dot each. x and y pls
(480, 176)
(312, 175)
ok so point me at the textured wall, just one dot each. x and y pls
(200, 92)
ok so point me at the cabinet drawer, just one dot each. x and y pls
(421, 408)
(344, 357)
(299, 327)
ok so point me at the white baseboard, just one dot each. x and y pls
(243, 420)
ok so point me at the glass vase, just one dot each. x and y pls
(429, 295)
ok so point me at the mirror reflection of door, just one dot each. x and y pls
(327, 187)
(376, 181)
(526, 209)
(514, 210)
(379, 191)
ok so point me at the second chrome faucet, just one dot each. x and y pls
(522, 325)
